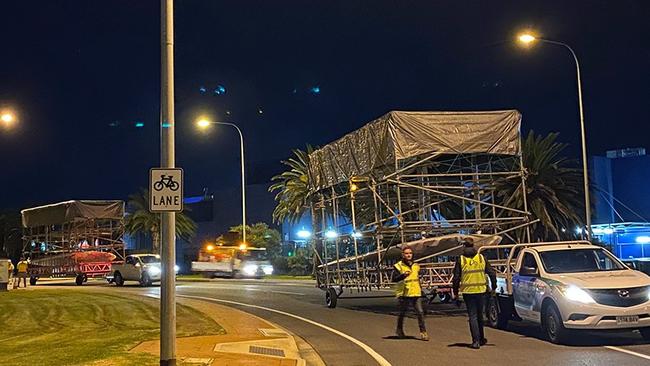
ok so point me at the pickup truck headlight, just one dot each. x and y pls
(250, 269)
(575, 293)
(268, 270)
(153, 270)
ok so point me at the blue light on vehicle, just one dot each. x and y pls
(642, 239)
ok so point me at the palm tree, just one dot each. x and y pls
(553, 189)
(293, 186)
(141, 220)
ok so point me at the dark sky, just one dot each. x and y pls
(81, 74)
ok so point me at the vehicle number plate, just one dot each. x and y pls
(628, 319)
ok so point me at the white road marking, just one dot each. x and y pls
(247, 288)
(647, 357)
(380, 360)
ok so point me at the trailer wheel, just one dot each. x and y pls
(32, 280)
(118, 279)
(331, 297)
(79, 280)
(445, 297)
(498, 313)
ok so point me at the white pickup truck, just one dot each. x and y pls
(565, 287)
(144, 268)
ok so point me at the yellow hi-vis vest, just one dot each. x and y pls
(472, 280)
(410, 286)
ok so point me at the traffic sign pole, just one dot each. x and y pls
(168, 219)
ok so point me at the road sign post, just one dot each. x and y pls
(168, 161)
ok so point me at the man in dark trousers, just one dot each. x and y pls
(470, 280)
(409, 292)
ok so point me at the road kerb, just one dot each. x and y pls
(246, 334)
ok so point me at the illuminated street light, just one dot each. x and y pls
(303, 234)
(204, 123)
(331, 234)
(8, 118)
(210, 247)
(526, 38)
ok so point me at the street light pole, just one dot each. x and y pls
(168, 219)
(205, 123)
(527, 38)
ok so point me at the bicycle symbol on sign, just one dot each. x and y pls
(166, 181)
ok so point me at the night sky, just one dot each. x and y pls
(83, 75)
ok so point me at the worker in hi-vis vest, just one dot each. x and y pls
(409, 292)
(470, 280)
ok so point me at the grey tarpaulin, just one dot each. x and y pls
(400, 135)
(69, 211)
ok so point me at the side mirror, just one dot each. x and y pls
(529, 271)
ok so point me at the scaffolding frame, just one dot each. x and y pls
(425, 196)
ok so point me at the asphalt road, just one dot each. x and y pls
(359, 331)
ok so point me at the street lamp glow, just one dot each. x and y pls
(526, 38)
(8, 117)
(203, 123)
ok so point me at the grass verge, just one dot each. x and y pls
(72, 327)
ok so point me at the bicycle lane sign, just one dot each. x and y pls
(166, 190)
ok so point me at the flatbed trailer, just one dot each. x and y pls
(77, 239)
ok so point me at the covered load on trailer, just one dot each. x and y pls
(73, 238)
(398, 135)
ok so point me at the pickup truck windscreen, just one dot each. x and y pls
(253, 255)
(579, 260)
(146, 259)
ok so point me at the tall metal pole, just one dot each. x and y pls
(168, 219)
(585, 175)
(243, 176)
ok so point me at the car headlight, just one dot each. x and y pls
(176, 268)
(250, 269)
(268, 270)
(575, 293)
(153, 270)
